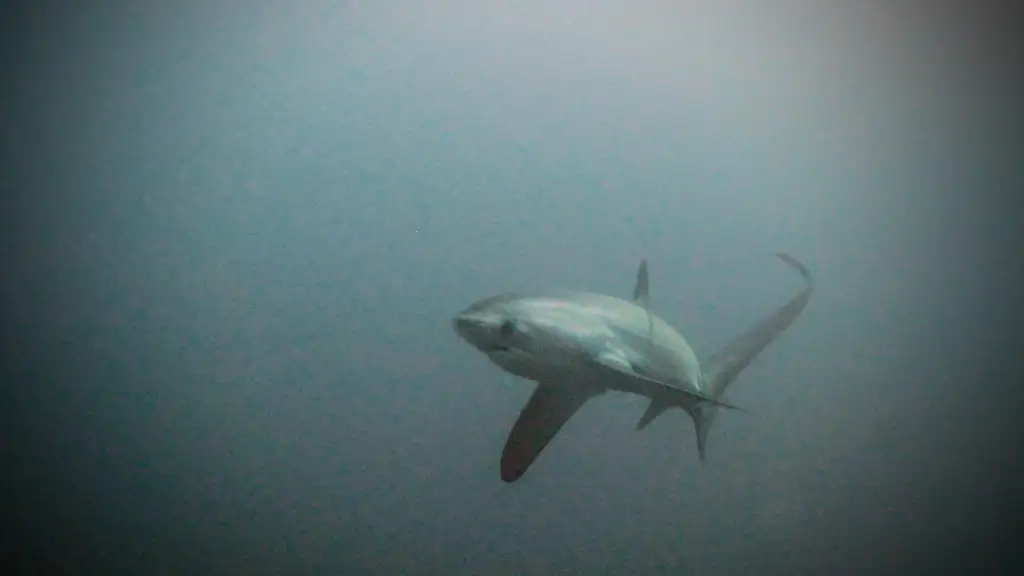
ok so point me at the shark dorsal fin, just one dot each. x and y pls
(641, 292)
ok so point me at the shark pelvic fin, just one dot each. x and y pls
(654, 409)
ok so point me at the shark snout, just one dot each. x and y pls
(473, 330)
(464, 326)
(459, 324)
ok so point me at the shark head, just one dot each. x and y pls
(534, 338)
(492, 326)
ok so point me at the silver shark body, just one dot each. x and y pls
(579, 345)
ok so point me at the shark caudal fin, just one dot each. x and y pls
(727, 364)
(703, 415)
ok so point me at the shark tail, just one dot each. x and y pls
(727, 364)
(702, 413)
(703, 416)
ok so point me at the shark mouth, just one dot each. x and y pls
(507, 351)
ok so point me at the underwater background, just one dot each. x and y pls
(239, 232)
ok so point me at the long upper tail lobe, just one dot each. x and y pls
(726, 365)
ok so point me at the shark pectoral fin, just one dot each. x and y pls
(548, 409)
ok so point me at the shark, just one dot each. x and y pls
(576, 346)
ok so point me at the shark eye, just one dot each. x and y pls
(508, 329)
